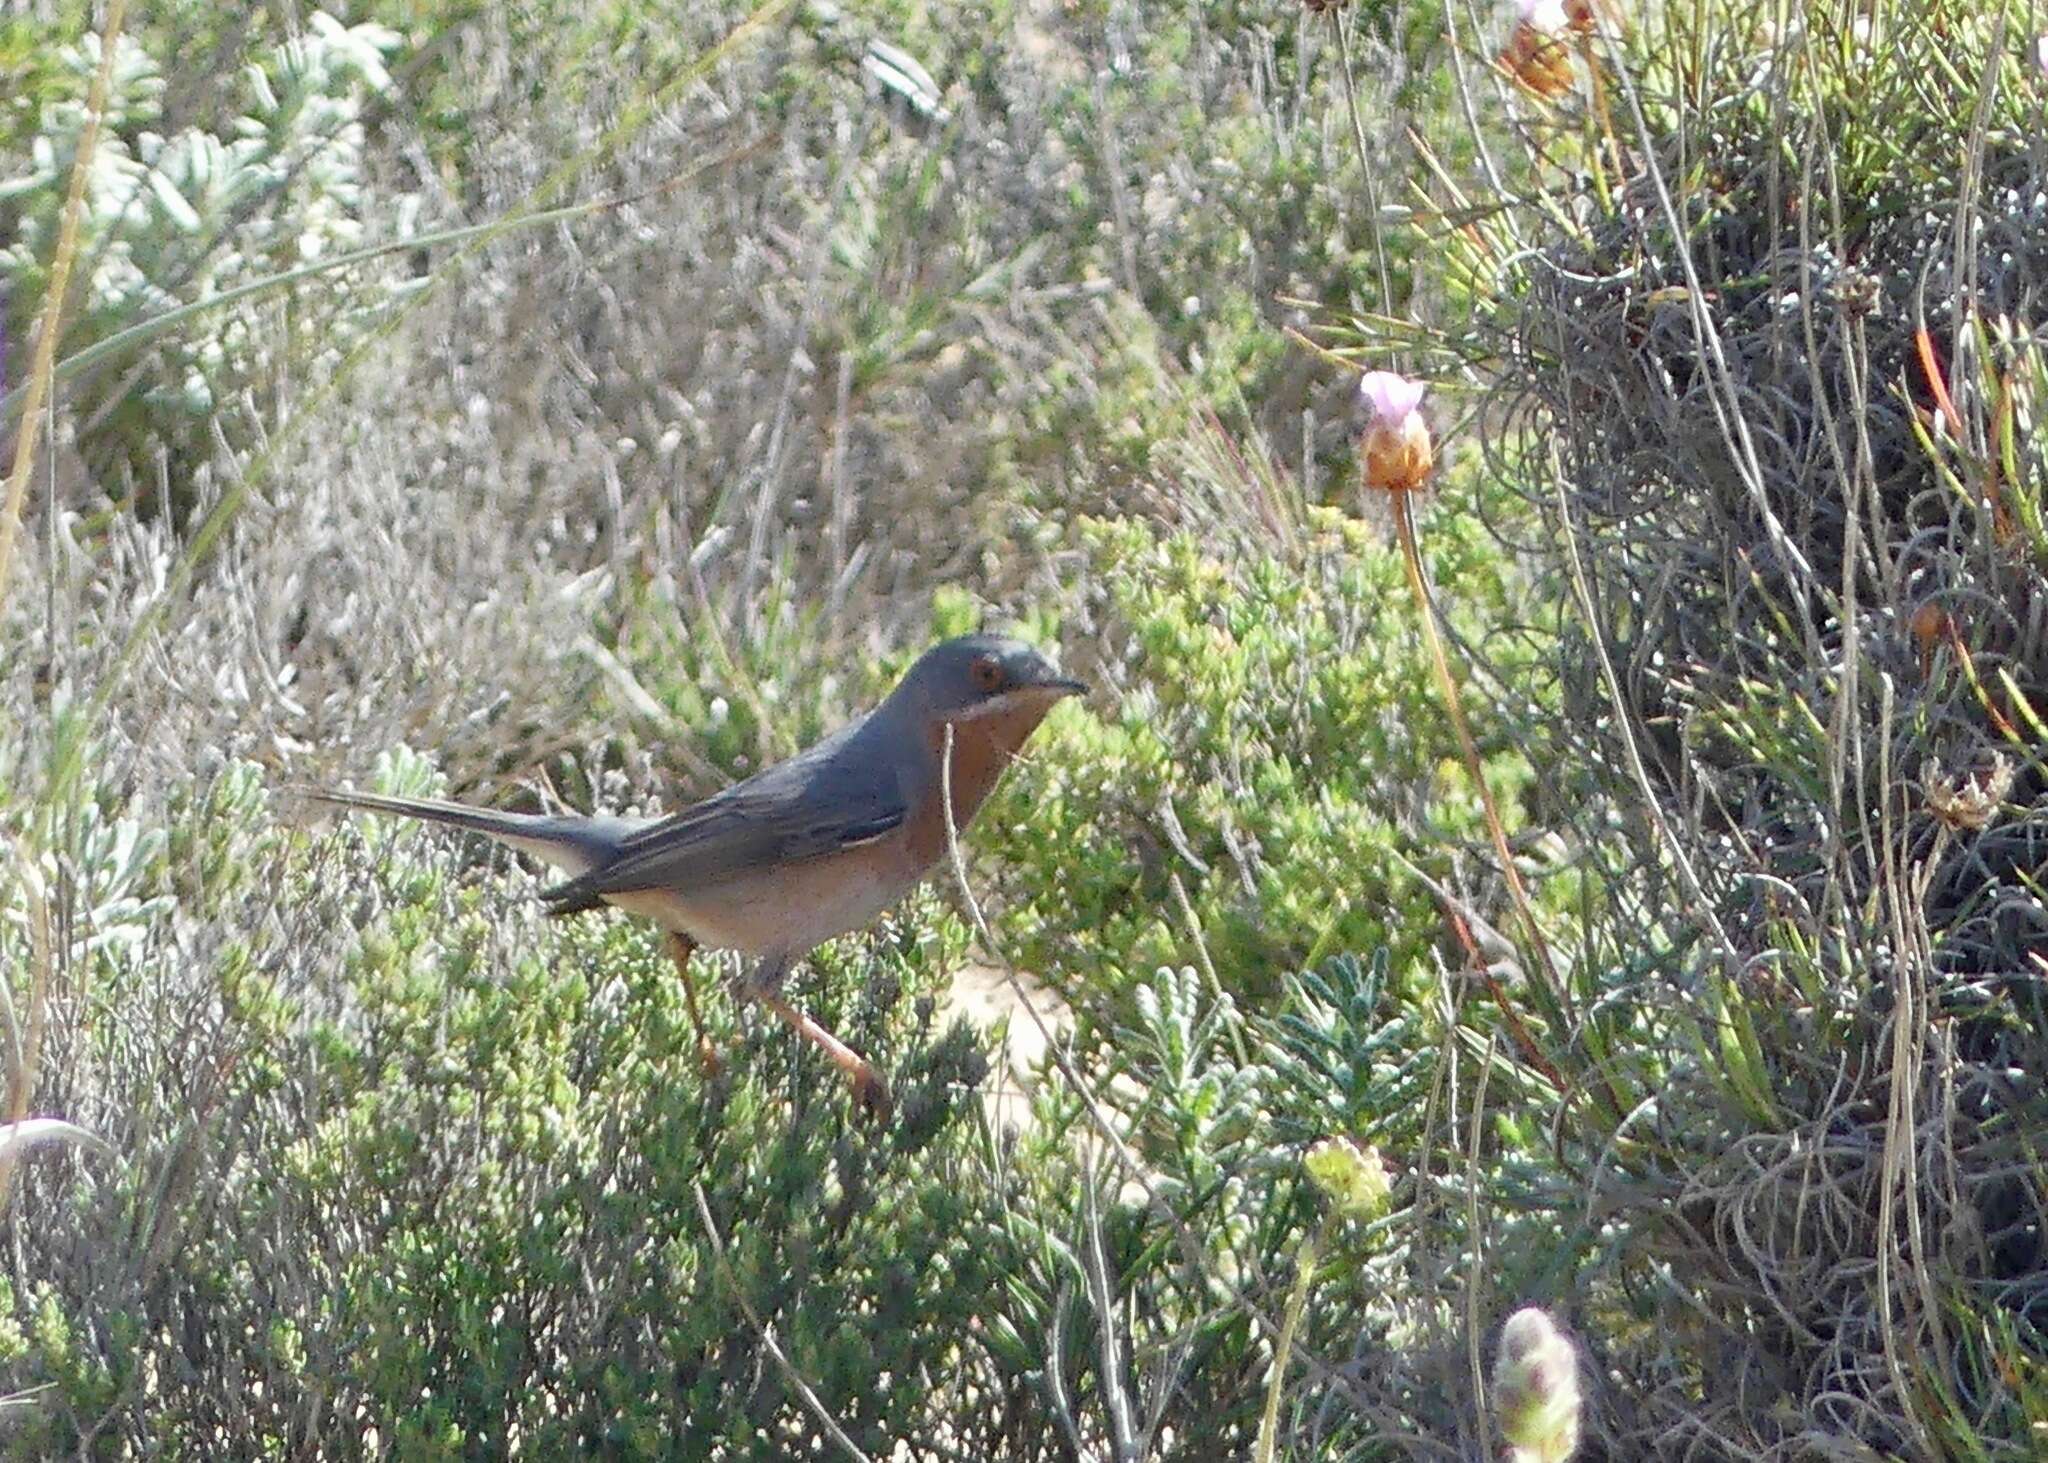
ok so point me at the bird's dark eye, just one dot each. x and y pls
(987, 674)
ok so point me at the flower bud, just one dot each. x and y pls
(1967, 803)
(1351, 1176)
(1536, 1389)
(1932, 627)
(1587, 16)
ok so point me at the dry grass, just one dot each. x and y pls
(1800, 579)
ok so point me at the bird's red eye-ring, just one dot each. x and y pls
(987, 673)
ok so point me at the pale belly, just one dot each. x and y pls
(784, 912)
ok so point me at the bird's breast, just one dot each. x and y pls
(981, 753)
(790, 907)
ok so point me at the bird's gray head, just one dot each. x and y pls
(976, 677)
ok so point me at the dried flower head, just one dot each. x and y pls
(1932, 627)
(1398, 454)
(1351, 1176)
(1969, 802)
(1537, 55)
(1588, 16)
(1857, 294)
(1536, 1389)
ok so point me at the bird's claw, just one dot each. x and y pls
(871, 1096)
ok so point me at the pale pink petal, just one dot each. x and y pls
(1391, 395)
(2041, 54)
(1544, 16)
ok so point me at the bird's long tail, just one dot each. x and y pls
(432, 810)
(573, 845)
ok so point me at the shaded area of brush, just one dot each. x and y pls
(1825, 623)
(1714, 581)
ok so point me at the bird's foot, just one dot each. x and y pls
(871, 1095)
(870, 1090)
(682, 947)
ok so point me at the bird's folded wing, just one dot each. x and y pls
(751, 826)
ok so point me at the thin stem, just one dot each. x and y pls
(27, 1058)
(1283, 1349)
(1372, 191)
(25, 1071)
(1411, 557)
(1604, 117)
(45, 363)
(766, 1332)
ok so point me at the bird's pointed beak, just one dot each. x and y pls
(1061, 685)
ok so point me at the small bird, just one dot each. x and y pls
(807, 849)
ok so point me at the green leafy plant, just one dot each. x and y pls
(1268, 744)
(172, 219)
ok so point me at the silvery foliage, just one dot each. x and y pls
(172, 220)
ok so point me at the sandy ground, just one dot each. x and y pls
(986, 996)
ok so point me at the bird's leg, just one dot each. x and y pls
(870, 1090)
(682, 947)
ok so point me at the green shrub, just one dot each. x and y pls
(1267, 734)
(434, 1166)
(526, 1106)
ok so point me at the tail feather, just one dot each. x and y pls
(573, 845)
(430, 810)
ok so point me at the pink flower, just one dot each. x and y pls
(1398, 453)
(2041, 54)
(1545, 17)
(1392, 396)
